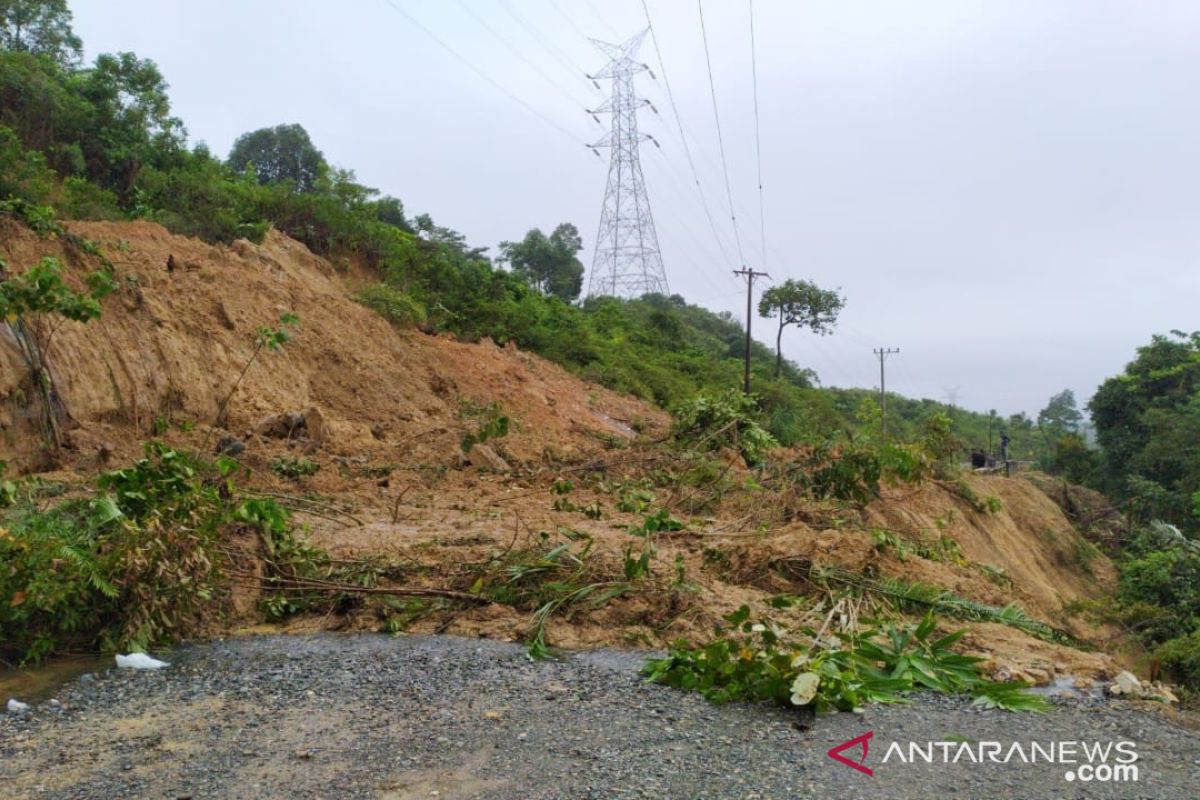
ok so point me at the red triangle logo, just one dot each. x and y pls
(835, 752)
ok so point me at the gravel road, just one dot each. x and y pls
(439, 717)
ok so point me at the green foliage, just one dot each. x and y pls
(391, 304)
(293, 468)
(549, 263)
(756, 661)
(551, 580)
(138, 564)
(39, 27)
(714, 422)
(1180, 657)
(485, 422)
(1141, 417)
(30, 304)
(803, 304)
(658, 522)
(281, 154)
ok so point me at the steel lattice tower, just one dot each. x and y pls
(627, 262)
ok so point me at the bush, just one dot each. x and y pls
(141, 563)
(392, 304)
(714, 422)
(1180, 657)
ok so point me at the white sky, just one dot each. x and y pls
(1007, 190)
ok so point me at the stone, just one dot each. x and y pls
(484, 457)
(1126, 683)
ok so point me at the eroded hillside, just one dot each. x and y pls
(388, 476)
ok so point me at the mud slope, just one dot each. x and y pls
(171, 343)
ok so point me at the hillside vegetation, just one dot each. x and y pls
(317, 339)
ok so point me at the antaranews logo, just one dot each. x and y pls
(1086, 761)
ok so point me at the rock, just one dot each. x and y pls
(1127, 684)
(1038, 677)
(314, 425)
(15, 706)
(484, 457)
(1161, 692)
(229, 446)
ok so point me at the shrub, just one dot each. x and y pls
(714, 422)
(754, 661)
(392, 304)
(1181, 658)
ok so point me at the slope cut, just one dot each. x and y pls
(171, 343)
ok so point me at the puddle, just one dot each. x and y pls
(34, 684)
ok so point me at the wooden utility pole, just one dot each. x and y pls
(749, 275)
(883, 353)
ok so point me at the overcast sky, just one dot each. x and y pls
(1006, 190)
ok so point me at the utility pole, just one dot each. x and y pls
(627, 261)
(749, 275)
(883, 353)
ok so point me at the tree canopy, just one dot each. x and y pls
(803, 304)
(41, 27)
(279, 154)
(550, 263)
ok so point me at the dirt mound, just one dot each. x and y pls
(171, 342)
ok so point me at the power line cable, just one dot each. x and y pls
(545, 43)
(488, 78)
(720, 137)
(762, 217)
(516, 51)
(662, 67)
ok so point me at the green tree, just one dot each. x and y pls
(1061, 415)
(550, 263)
(1146, 422)
(41, 27)
(279, 154)
(803, 304)
(130, 121)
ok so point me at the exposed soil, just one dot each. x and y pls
(392, 407)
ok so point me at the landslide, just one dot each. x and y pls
(394, 404)
(170, 344)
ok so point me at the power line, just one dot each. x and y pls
(467, 63)
(720, 137)
(520, 55)
(546, 44)
(568, 19)
(762, 217)
(662, 67)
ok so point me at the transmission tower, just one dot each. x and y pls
(627, 262)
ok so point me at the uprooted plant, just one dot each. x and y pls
(561, 579)
(265, 338)
(34, 305)
(831, 670)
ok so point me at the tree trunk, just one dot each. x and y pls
(779, 346)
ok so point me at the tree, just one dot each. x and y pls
(1061, 415)
(803, 304)
(130, 120)
(282, 153)
(41, 27)
(549, 263)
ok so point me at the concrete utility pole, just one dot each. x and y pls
(749, 275)
(883, 353)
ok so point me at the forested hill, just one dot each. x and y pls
(99, 141)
